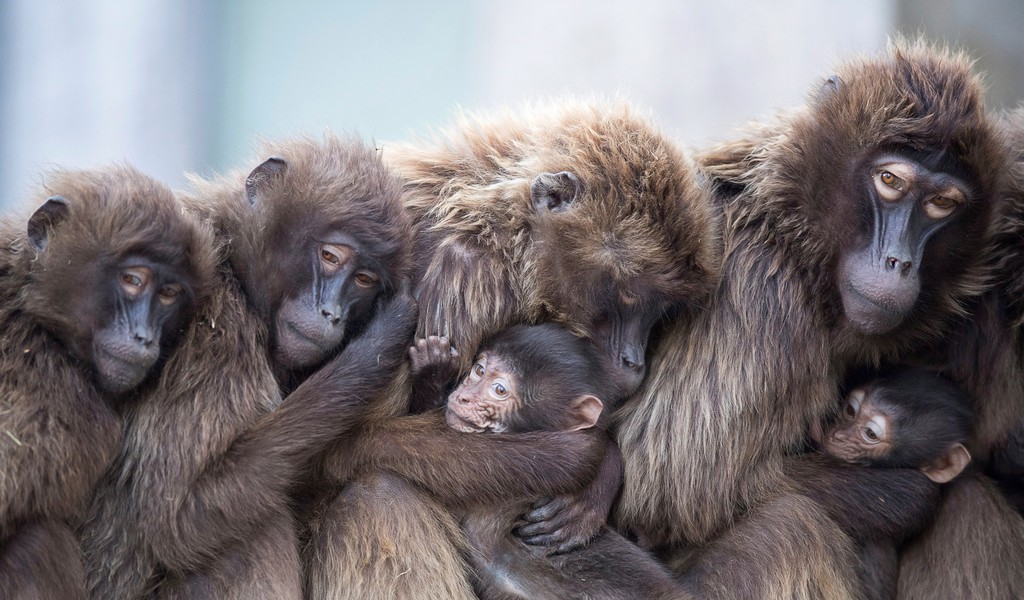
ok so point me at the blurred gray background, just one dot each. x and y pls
(191, 85)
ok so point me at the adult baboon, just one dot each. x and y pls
(196, 503)
(853, 230)
(94, 288)
(976, 529)
(578, 213)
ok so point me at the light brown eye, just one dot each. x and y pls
(329, 257)
(169, 294)
(366, 279)
(134, 280)
(891, 180)
(478, 370)
(500, 390)
(938, 207)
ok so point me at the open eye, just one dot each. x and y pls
(851, 410)
(366, 279)
(889, 186)
(478, 371)
(134, 280)
(938, 207)
(500, 390)
(870, 435)
(169, 294)
(329, 257)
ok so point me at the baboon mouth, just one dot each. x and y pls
(460, 424)
(302, 337)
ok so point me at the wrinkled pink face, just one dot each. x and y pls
(862, 433)
(485, 399)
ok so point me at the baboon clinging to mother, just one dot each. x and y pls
(583, 214)
(854, 228)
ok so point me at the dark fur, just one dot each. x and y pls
(486, 259)
(975, 528)
(553, 367)
(197, 501)
(929, 415)
(59, 430)
(731, 392)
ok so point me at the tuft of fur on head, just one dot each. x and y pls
(115, 212)
(553, 367)
(333, 181)
(641, 227)
(914, 98)
(935, 410)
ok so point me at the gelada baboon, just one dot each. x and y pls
(853, 231)
(583, 214)
(524, 380)
(975, 528)
(578, 213)
(905, 428)
(197, 503)
(94, 288)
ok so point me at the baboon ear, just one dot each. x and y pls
(46, 217)
(830, 88)
(555, 192)
(263, 177)
(584, 412)
(949, 465)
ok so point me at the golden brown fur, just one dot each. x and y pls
(486, 259)
(732, 391)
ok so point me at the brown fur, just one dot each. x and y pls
(59, 430)
(972, 550)
(197, 502)
(487, 260)
(986, 356)
(731, 392)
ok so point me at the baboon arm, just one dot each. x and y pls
(458, 278)
(569, 521)
(240, 488)
(464, 469)
(866, 503)
(53, 449)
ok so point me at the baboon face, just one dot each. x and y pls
(114, 273)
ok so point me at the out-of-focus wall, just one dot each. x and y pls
(176, 85)
(703, 68)
(88, 83)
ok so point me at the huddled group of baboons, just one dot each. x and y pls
(547, 354)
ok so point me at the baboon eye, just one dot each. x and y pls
(851, 410)
(169, 294)
(366, 279)
(478, 370)
(134, 280)
(889, 186)
(938, 207)
(500, 390)
(871, 435)
(329, 257)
